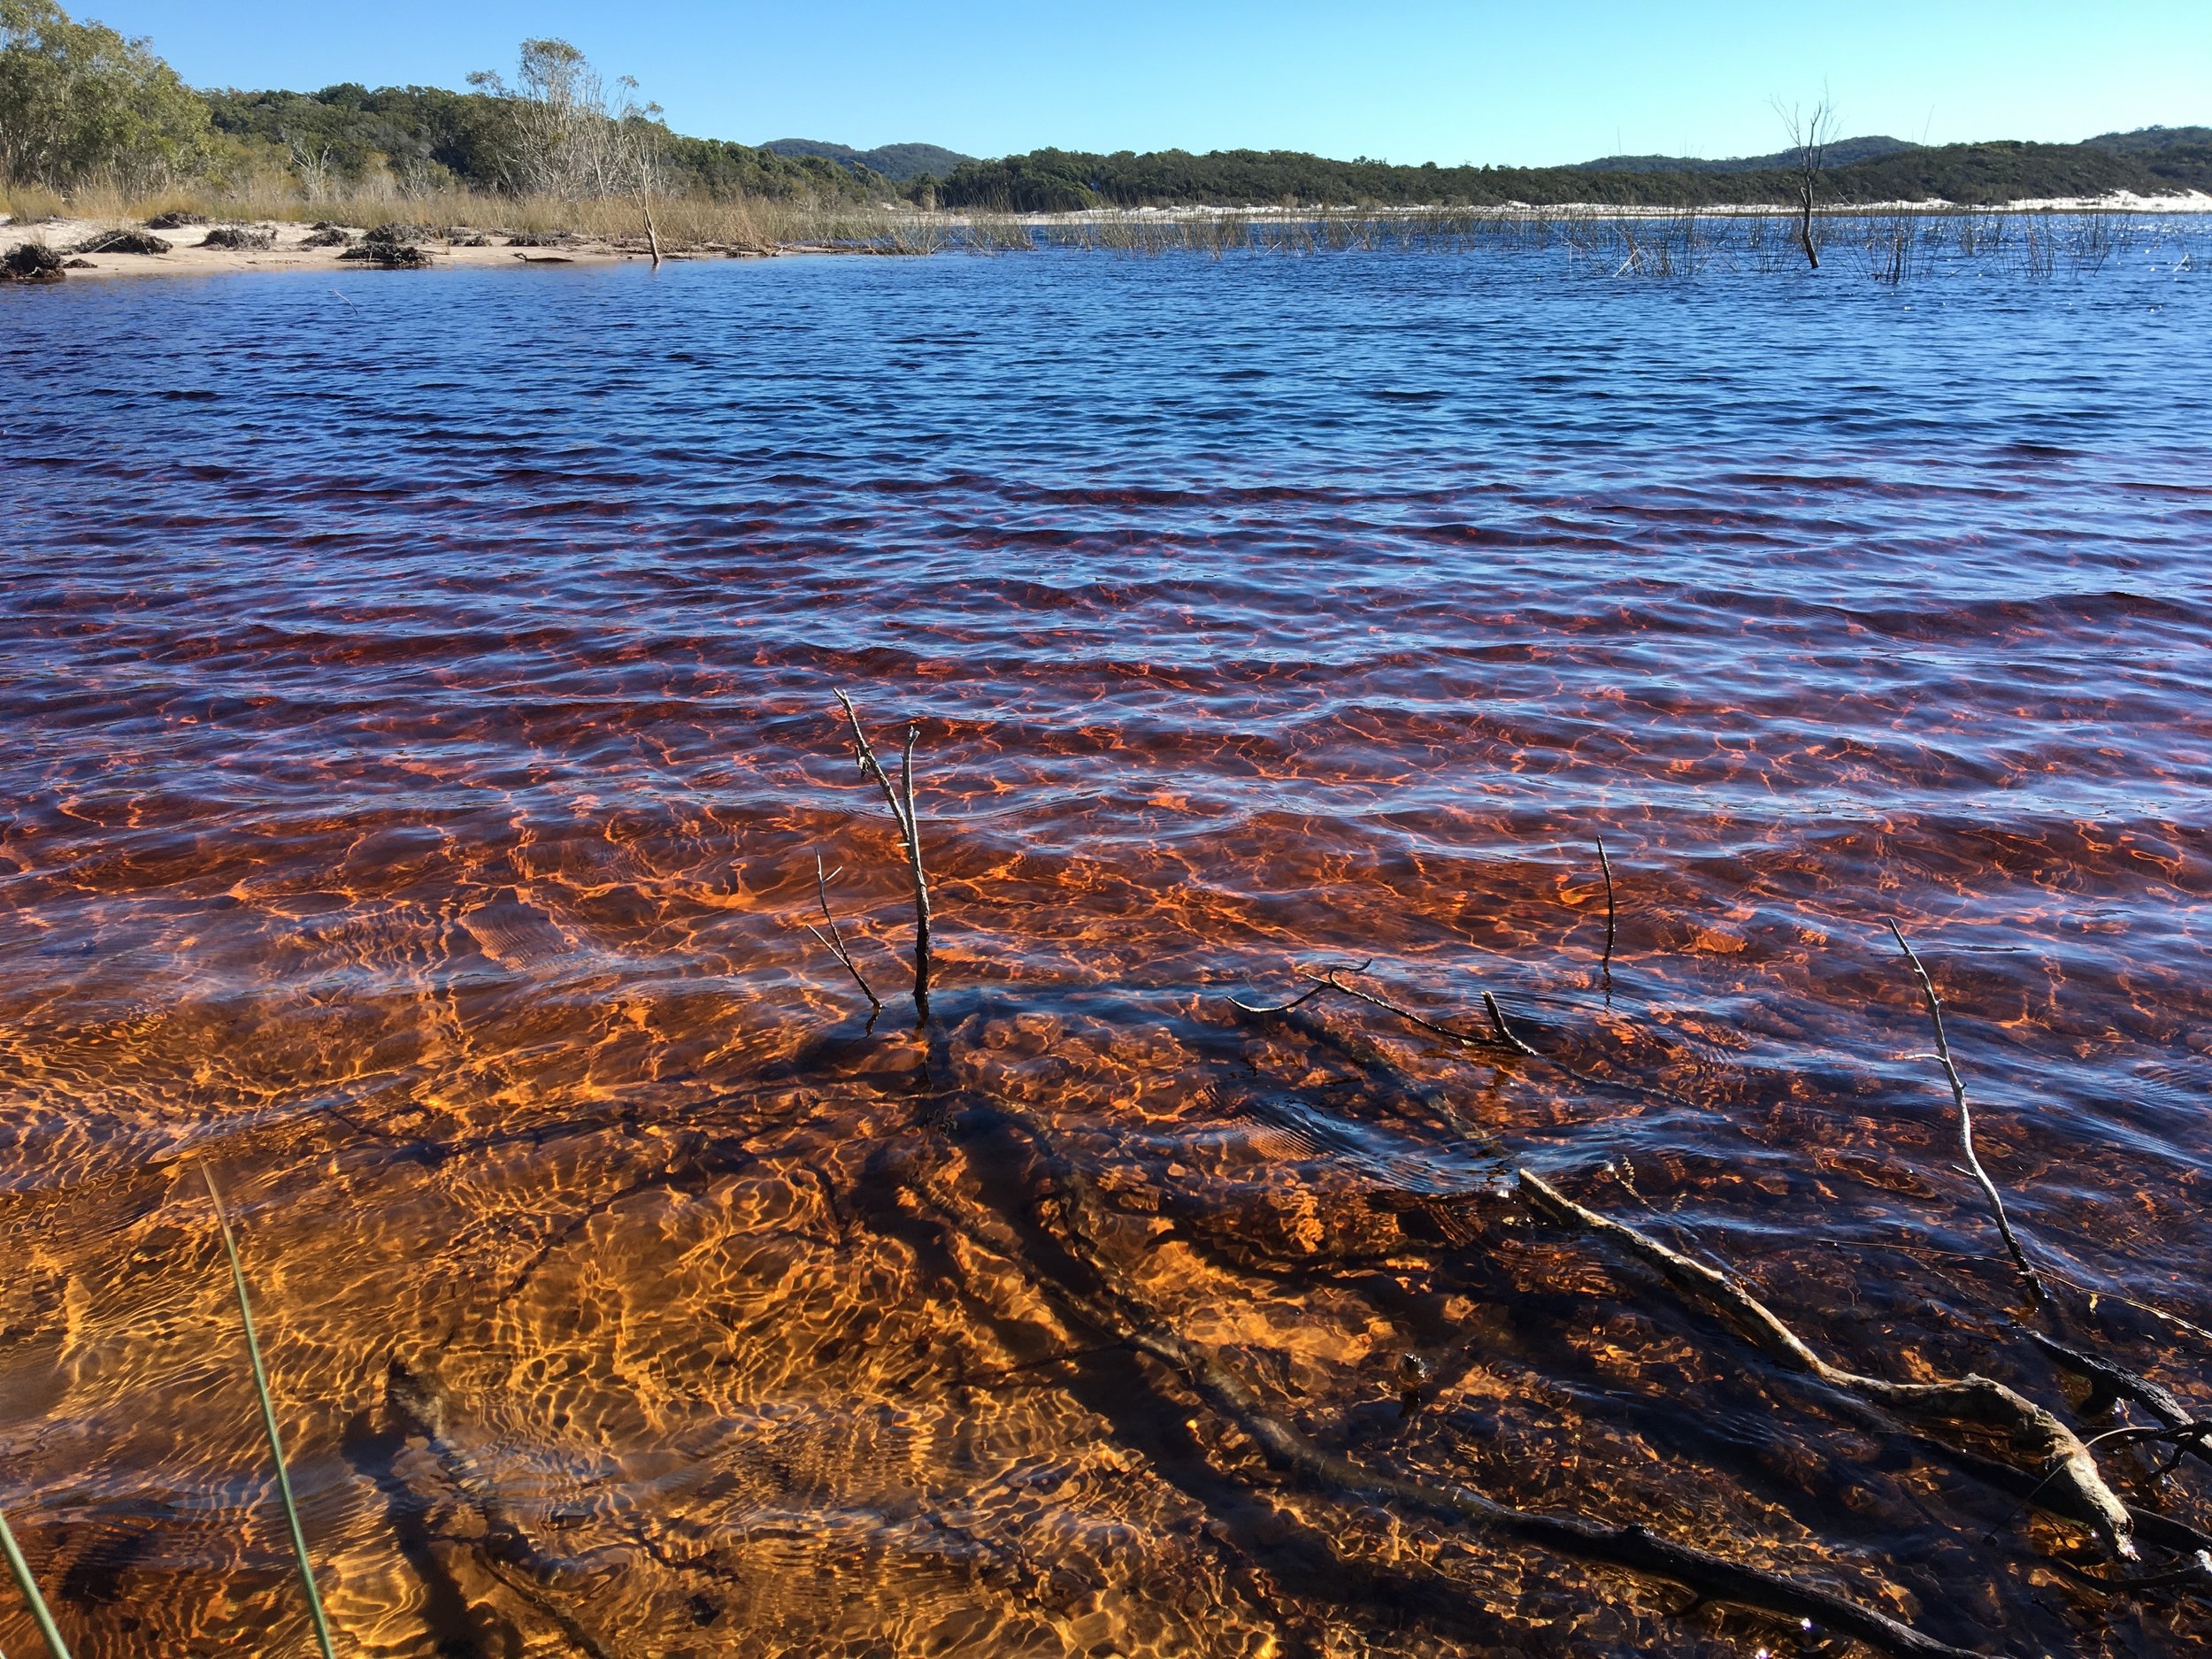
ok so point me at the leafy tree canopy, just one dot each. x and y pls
(79, 101)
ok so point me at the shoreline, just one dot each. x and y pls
(187, 255)
(290, 248)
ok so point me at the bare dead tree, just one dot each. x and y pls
(313, 163)
(1966, 1122)
(567, 137)
(900, 798)
(1811, 131)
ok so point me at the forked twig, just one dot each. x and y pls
(1966, 1121)
(268, 1419)
(833, 940)
(20, 1570)
(900, 799)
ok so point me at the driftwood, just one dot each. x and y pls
(900, 799)
(1116, 1311)
(1499, 1036)
(1966, 1123)
(2110, 1383)
(1974, 1399)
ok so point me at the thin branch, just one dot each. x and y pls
(1971, 1399)
(1499, 1035)
(20, 1570)
(1504, 1031)
(268, 1420)
(834, 940)
(1606, 864)
(1298, 1001)
(2198, 1572)
(1966, 1122)
(910, 833)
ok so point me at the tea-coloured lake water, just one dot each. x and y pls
(416, 696)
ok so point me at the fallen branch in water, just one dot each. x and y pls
(900, 798)
(1504, 1031)
(833, 940)
(1119, 1312)
(1966, 1122)
(2068, 1463)
(1499, 1036)
(2110, 1383)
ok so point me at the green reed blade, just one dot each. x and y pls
(24, 1582)
(269, 1422)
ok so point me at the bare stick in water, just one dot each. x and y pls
(21, 1571)
(268, 1420)
(1501, 1035)
(1966, 1121)
(900, 798)
(1606, 864)
(833, 940)
(2069, 1464)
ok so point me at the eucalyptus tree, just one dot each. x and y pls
(80, 103)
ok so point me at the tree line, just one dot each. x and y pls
(80, 104)
(1986, 174)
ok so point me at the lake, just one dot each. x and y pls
(420, 738)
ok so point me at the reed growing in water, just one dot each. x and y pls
(1889, 244)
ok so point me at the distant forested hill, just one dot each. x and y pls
(430, 136)
(2152, 162)
(1841, 154)
(896, 162)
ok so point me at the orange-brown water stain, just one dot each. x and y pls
(436, 873)
(670, 1337)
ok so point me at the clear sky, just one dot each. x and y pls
(1399, 80)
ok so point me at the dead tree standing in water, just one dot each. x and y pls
(1810, 135)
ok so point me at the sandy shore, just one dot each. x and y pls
(188, 253)
(289, 250)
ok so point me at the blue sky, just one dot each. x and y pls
(1407, 82)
